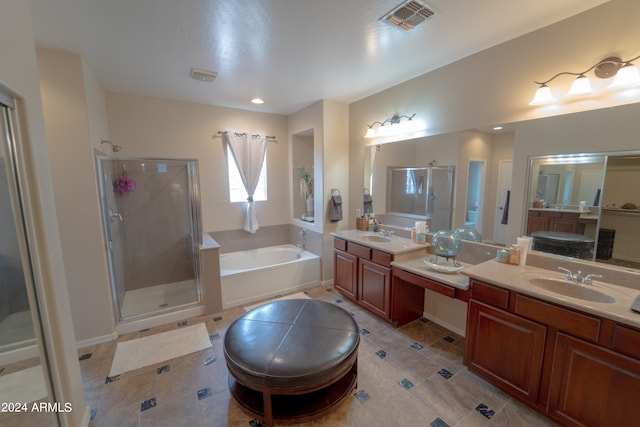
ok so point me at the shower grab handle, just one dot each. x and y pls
(113, 214)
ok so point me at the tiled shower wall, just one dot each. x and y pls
(156, 228)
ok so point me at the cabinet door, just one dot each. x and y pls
(375, 288)
(345, 273)
(537, 224)
(564, 225)
(505, 349)
(593, 386)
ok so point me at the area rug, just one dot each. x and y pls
(24, 386)
(299, 295)
(141, 352)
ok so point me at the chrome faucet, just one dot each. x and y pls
(386, 233)
(578, 278)
(303, 237)
(588, 280)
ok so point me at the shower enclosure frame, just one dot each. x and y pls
(194, 222)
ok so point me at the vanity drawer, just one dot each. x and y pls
(626, 340)
(340, 244)
(359, 250)
(423, 282)
(489, 294)
(382, 258)
(577, 324)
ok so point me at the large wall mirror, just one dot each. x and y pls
(584, 206)
(447, 178)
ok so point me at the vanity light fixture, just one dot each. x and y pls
(392, 126)
(626, 75)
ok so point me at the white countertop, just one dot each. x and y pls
(396, 245)
(516, 278)
(418, 266)
(565, 210)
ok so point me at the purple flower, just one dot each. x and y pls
(125, 185)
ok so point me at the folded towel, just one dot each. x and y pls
(505, 211)
(635, 305)
(335, 208)
(368, 204)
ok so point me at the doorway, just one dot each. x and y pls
(475, 194)
(505, 170)
(151, 219)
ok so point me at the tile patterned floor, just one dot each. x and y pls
(406, 377)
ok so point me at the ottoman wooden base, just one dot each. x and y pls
(292, 408)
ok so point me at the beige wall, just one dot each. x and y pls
(18, 72)
(162, 128)
(329, 122)
(67, 109)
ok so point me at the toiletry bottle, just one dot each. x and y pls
(514, 255)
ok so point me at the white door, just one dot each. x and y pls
(504, 184)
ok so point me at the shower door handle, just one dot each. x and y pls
(113, 214)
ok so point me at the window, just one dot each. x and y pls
(237, 193)
(410, 184)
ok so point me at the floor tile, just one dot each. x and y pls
(408, 376)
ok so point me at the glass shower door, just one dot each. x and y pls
(152, 229)
(24, 377)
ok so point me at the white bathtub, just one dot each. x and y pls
(249, 276)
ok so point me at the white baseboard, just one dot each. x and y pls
(97, 340)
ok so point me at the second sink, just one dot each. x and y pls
(566, 288)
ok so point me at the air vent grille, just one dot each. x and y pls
(203, 75)
(408, 14)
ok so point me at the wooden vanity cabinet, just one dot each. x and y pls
(593, 386)
(497, 336)
(363, 275)
(566, 222)
(345, 277)
(575, 367)
(374, 287)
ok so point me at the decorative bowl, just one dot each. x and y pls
(446, 244)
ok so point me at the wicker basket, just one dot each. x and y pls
(362, 224)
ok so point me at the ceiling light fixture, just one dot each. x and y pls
(394, 126)
(626, 75)
(257, 101)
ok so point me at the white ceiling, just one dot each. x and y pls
(291, 53)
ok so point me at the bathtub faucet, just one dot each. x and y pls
(303, 237)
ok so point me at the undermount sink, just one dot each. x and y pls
(569, 289)
(376, 238)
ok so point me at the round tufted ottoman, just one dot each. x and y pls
(292, 360)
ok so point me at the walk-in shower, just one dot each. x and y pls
(152, 230)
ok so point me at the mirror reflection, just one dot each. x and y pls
(582, 206)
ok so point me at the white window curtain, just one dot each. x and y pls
(248, 152)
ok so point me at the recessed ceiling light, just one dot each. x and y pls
(257, 101)
(497, 128)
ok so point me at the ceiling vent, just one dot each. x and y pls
(409, 14)
(202, 75)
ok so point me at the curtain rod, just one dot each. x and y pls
(224, 132)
